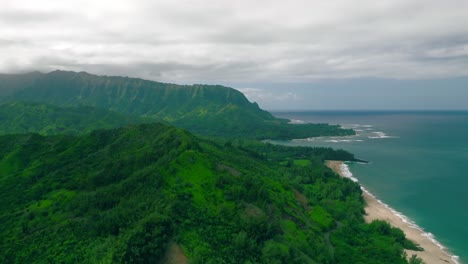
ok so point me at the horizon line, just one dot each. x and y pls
(364, 110)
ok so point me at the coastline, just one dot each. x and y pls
(375, 209)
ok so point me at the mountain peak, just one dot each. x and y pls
(213, 110)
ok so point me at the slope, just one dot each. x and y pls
(124, 195)
(211, 110)
(19, 117)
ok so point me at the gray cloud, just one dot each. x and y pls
(20, 16)
(233, 41)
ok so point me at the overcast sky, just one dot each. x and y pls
(278, 52)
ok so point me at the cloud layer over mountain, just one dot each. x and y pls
(233, 41)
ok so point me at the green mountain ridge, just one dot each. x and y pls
(126, 195)
(20, 117)
(211, 110)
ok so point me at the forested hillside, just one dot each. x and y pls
(127, 195)
(211, 110)
(19, 117)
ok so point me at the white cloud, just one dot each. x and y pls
(217, 41)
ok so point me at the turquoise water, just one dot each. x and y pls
(419, 165)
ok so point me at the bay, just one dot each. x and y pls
(418, 164)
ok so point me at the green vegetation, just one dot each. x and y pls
(209, 110)
(297, 155)
(19, 117)
(124, 195)
(10, 83)
(80, 190)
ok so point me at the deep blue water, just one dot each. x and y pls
(419, 165)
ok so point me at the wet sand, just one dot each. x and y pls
(432, 253)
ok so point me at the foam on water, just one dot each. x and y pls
(343, 140)
(296, 121)
(347, 173)
(380, 134)
(351, 138)
(362, 132)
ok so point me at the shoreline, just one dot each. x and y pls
(375, 209)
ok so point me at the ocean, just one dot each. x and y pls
(418, 165)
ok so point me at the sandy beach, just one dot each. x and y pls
(432, 253)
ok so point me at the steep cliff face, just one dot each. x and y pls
(129, 95)
(211, 110)
(10, 83)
